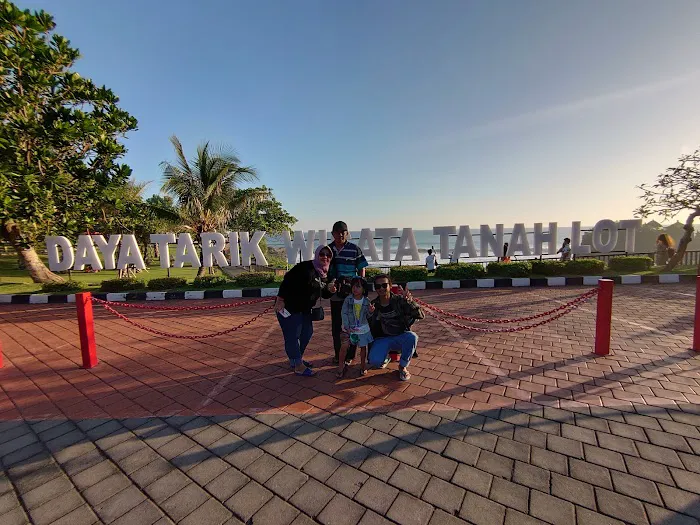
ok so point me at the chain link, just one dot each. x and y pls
(181, 308)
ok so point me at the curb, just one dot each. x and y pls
(248, 293)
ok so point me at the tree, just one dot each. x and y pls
(58, 138)
(675, 191)
(205, 189)
(261, 212)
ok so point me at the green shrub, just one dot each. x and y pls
(122, 285)
(276, 261)
(509, 269)
(371, 273)
(254, 279)
(68, 286)
(404, 274)
(167, 283)
(548, 268)
(210, 281)
(631, 263)
(585, 267)
(460, 271)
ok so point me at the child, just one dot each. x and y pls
(356, 310)
(565, 249)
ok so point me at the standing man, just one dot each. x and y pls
(348, 262)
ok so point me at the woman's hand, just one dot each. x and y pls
(371, 308)
(279, 304)
(331, 286)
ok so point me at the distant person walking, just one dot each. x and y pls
(505, 257)
(431, 261)
(565, 250)
(664, 249)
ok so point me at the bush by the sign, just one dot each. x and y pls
(167, 283)
(404, 274)
(371, 273)
(253, 279)
(509, 269)
(460, 271)
(122, 285)
(632, 263)
(68, 286)
(585, 267)
(548, 268)
(210, 281)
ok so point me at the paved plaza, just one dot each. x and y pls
(516, 428)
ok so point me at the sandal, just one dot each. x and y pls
(340, 374)
(305, 363)
(364, 372)
(306, 373)
(404, 375)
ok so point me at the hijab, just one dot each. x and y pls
(322, 266)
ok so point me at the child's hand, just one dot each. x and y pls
(331, 286)
(371, 308)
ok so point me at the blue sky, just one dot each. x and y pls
(400, 113)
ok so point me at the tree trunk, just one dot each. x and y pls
(683, 244)
(33, 264)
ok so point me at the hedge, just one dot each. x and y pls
(631, 263)
(210, 281)
(509, 269)
(460, 271)
(122, 285)
(585, 267)
(253, 279)
(68, 286)
(167, 283)
(371, 273)
(404, 274)
(548, 268)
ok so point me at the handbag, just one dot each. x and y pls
(317, 313)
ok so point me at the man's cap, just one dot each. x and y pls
(340, 226)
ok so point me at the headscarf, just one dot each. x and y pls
(322, 267)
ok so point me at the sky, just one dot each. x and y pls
(402, 113)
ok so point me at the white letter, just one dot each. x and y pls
(487, 240)
(597, 241)
(299, 245)
(464, 235)
(251, 248)
(630, 226)
(108, 249)
(576, 247)
(518, 240)
(444, 232)
(55, 262)
(407, 237)
(233, 248)
(162, 240)
(129, 253)
(85, 253)
(550, 237)
(385, 234)
(213, 245)
(185, 252)
(367, 239)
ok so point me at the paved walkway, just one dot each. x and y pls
(515, 428)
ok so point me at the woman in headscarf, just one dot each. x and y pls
(299, 292)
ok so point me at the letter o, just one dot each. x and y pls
(597, 241)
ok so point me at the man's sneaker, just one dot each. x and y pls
(385, 363)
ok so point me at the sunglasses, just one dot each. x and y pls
(381, 286)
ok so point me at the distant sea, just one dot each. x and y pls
(425, 239)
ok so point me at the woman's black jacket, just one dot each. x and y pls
(301, 288)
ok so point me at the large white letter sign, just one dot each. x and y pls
(185, 252)
(129, 253)
(464, 243)
(407, 246)
(233, 248)
(550, 237)
(444, 232)
(630, 226)
(252, 248)
(56, 264)
(85, 253)
(576, 247)
(597, 241)
(518, 240)
(163, 240)
(108, 249)
(305, 246)
(487, 240)
(367, 245)
(386, 234)
(213, 245)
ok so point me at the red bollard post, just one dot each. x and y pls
(86, 327)
(696, 330)
(603, 319)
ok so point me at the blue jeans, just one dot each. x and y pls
(406, 343)
(297, 330)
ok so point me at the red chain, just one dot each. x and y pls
(181, 308)
(575, 302)
(179, 336)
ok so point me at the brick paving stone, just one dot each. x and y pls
(22, 454)
(151, 472)
(125, 449)
(530, 437)
(191, 458)
(636, 487)
(263, 468)
(56, 508)
(30, 478)
(337, 424)
(184, 502)
(510, 494)
(95, 474)
(379, 466)
(663, 439)
(409, 479)
(585, 516)
(208, 469)
(210, 435)
(462, 452)
(106, 488)
(590, 473)
(548, 460)
(604, 457)
(312, 497)
(119, 504)
(320, 466)
(347, 480)
(381, 442)
(288, 424)
(438, 466)
(691, 462)
(109, 441)
(46, 492)
(239, 425)
(275, 512)
(372, 518)
(662, 455)
(407, 453)
(681, 500)
(248, 500)
(408, 510)
(622, 507)
(329, 443)
(259, 434)
(74, 466)
(530, 476)
(685, 480)
(432, 441)
(473, 479)
(18, 443)
(341, 511)
(648, 469)
(618, 444)
(170, 484)
(576, 433)
(573, 490)
(211, 512)
(301, 519)
(227, 444)
(357, 432)
(406, 431)
(551, 509)
(482, 511)
(444, 495)
(16, 516)
(513, 517)
(227, 484)
(661, 516)
(499, 428)
(145, 513)
(298, 454)
(440, 517)
(513, 449)
(286, 482)
(8, 501)
(628, 431)
(136, 461)
(307, 433)
(495, 464)
(565, 446)
(244, 456)
(451, 429)
(74, 451)
(276, 444)
(175, 447)
(480, 439)
(425, 420)
(376, 495)
(83, 515)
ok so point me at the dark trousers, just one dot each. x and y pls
(337, 329)
(297, 330)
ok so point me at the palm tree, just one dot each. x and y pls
(204, 189)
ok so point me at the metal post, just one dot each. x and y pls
(86, 328)
(604, 316)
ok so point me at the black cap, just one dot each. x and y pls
(340, 226)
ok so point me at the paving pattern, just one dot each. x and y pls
(516, 428)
